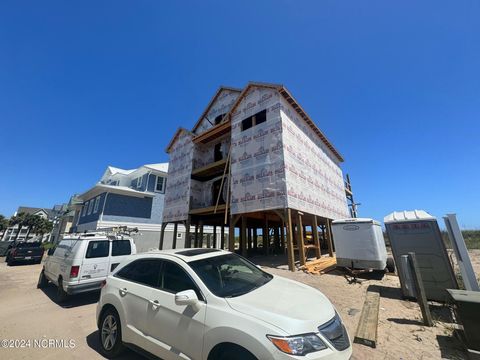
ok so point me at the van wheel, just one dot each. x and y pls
(390, 265)
(61, 294)
(110, 334)
(42, 280)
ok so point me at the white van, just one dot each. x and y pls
(80, 263)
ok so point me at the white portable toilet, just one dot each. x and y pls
(417, 231)
(359, 244)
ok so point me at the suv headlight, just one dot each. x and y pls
(298, 345)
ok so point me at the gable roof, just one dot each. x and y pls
(175, 137)
(291, 100)
(163, 167)
(212, 101)
(115, 170)
(35, 211)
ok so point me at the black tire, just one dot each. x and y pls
(61, 294)
(232, 352)
(42, 281)
(390, 265)
(111, 345)
(9, 261)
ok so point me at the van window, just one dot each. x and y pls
(97, 249)
(63, 246)
(144, 271)
(121, 247)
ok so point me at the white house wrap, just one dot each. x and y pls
(279, 158)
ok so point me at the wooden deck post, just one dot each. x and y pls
(174, 240)
(162, 235)
(282, 237)
(290, 253)
(200, 242)
(231, 235)
(265, 239)
(243, 236)
(214, 236)
(276, 237)
(222, 237)
(188, 240)
(318, 253)
(301, 244)
(195, 241)
(329, 237)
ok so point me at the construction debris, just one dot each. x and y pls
(367, 326)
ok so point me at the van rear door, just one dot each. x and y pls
(120, 250)
(96, 260)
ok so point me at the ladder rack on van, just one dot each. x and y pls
(111, 231)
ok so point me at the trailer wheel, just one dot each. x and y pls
(390, 265)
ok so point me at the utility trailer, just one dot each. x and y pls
(359, 244)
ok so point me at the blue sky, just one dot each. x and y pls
(395, 85)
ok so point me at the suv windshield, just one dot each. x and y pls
(229, 275)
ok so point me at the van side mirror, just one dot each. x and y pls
(187, 298)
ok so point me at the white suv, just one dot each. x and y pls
(80, 263)
(209, 304)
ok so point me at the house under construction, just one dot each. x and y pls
(256, 162)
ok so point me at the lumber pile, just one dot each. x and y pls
(320, 266)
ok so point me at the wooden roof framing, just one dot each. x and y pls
(207, 109)
(213, 133)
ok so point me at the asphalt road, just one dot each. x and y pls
(34, 326)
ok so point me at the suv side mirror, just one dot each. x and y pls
(187, 297)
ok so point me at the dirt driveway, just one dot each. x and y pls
(27, 313)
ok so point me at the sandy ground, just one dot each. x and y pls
(401, 334)
(31, 314)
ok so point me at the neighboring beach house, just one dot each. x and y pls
(132, 198)
(24, 234)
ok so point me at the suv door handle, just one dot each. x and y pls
(155, 304)
(123, 291)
